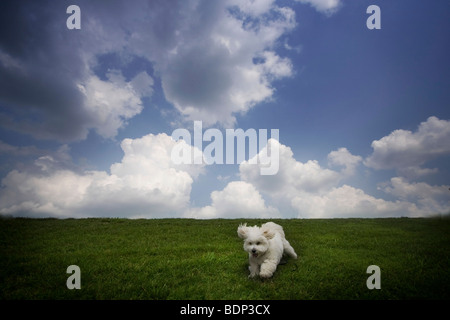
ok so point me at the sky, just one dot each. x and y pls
(87, 114)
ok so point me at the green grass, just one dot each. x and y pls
(204, 259)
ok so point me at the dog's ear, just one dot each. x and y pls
(268, 234)
(242, 231)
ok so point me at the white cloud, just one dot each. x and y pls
(252, 7)
(152, 152)
(143, 184)
(432, 199)
(342, 157)
(238, 199)
(327, 7)
(293, 176)
(316, 192)
(110, 103)
(348, 202)
(228, 66)
(406, 151)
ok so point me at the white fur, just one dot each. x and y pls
(265, 246)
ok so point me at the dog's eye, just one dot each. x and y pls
(258, 243)
(250, 243)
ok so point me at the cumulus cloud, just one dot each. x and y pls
(307, 188)
(110, 103)
(293, 176)
(433, 199)
(342, 157)
(215, 59)
(350, 202)
(238, 199)
(231, 67)
(316, 192)
(144, 184)
(407, 151)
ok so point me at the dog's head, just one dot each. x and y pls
(256, 239)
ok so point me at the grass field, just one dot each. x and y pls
(204, 259)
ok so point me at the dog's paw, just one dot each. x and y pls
(265, 274)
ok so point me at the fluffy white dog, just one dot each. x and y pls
(265, 246)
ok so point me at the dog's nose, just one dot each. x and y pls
(254, 251)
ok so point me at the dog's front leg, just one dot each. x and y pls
(268, 268)
(254, 268)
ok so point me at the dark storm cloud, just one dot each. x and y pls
(37, 71)
(43, 64)
(202, 52)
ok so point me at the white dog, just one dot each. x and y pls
(265, 246)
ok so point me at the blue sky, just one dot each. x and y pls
(87, 115)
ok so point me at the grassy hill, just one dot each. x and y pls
(204, 259)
